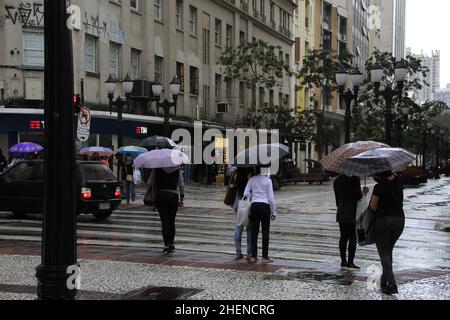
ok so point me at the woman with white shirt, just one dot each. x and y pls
(260, 191)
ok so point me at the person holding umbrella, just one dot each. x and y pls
(260, 191)
(3, 163)
(126, 176)
(387, 202)
(167, 179)
(348, 192)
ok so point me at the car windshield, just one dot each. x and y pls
(92, 172)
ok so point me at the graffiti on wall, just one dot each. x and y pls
(94, 25)
(27, 14)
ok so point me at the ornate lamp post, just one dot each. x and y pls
(389, 92)
(166, 105)
(119, 103)
(342, 77)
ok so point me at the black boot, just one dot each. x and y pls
(383, 282)
(390, 289)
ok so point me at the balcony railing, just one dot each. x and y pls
(273, 24)
(284, 31)
(256, 14)
(263, 18)
(244, 6)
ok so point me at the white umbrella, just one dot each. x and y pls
(163, 158)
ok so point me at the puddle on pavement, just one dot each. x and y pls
(160, 293)
(328, 277)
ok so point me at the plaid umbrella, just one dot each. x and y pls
(100, 151)
(377, 161)
(26, 147)
(333, 161)
(162, 158)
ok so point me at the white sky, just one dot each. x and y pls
(428, 28)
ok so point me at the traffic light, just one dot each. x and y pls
(77, 103)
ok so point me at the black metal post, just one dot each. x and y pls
(166, 106)
(424, 149)
(437, 156)
(388, 96)
(348, 96)
(59, 250)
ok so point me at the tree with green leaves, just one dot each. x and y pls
(319, 72)
(256, 64)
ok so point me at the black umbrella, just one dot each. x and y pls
(157, 142)
(258, 155)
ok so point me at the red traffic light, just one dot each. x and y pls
(77, 102)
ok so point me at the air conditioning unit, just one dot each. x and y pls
(141, 89)
(222, 107)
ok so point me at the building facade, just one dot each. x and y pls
(443, 95)
(393, 26)
(151, 40)
(433, 79)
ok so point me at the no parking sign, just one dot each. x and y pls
(84, 124)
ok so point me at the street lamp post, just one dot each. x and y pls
(389, 92)
(59, 247)
(166, 105)
(355, 77)
(402, 124)
(428, 127)
(119, 103)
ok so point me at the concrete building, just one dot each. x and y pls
(393, 26)
(150, 40)
(443, 95)
(432, 80)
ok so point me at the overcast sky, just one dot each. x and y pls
(428, 28)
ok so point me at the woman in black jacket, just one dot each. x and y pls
(167, 182)
(348, 192)
(387, 202)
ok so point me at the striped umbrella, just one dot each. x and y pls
(131, 150)
(162, 158)
(100, 151)
(377, 161)
(26, 147)
(333, 161)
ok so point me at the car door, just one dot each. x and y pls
(36, 188)
(14, 190)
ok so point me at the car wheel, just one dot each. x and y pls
(18, 214)
(102, 215)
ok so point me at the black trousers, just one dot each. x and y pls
(348, 237)
(260, 215)
(387, 232)
(167, 204)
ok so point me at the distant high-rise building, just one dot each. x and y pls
(432, 80)
(393, 25)
(443, 95)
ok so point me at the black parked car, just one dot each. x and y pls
(22, 189)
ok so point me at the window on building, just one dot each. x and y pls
(242, 98)
(229, 35)
(262, 9)
(218, 91)
(158, 9)
(33, 44)
(271, 97)
(272, 11)
(179, 14)
(114, 60)
(194, 80)
(180, 74)
(280, 99)
(193, 20)
(90, 54)
(135, 64)
(242, 37)
(206, 47)
(228, 90)
(134, 4)
(159, 69)
(262, 96)
(287, 59)
(218, 32)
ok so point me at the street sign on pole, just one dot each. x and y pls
(84, 124)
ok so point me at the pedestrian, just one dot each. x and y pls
(167, 182)
(387, 202)
(238, 180)
(126, 176)
(95, 157)
(3, 162)
(259, 190)
(348, 192)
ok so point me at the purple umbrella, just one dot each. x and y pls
(26, 147)
(163, 158)
(100, 151)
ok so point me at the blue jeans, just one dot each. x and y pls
(130, 190)
(238, 239)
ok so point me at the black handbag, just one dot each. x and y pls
(365, 228)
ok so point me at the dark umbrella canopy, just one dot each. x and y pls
(157, 142)
(260, 154)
